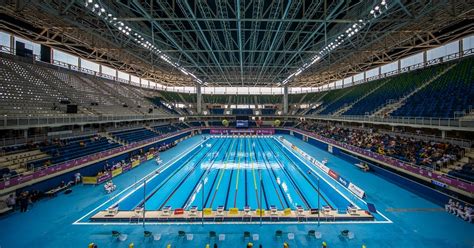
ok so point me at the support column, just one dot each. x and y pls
(443, 134)
(25, 133)
(461, 48)
(425, 58)
(12, 44)
(198, 99)
(285, 99)
(82, 128)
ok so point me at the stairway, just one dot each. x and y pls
(347, 107)
(315, 102)
(335, 100)
(110, 137)
(387, 109)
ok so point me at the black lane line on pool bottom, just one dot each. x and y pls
(261, 182)
(270, 169)
(230, 182)
(182, 181)
(204, 173)
(279, 145)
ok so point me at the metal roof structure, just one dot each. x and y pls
(243, 42)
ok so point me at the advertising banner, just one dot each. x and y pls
(356, 190)
(116, 172)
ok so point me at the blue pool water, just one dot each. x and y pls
(232, 172)
(62, 221)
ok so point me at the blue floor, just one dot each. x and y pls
(49, 222)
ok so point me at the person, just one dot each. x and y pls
(77, 178)
(249, 245)
(62, 184)
(11, 201)
(285, 245)
(448, 206)
(24, 202)
(468, 213)
(215, 245)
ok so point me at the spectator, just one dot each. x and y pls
(23, 200)
(11, 201)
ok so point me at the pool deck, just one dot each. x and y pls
(417, 222)
(231, 216)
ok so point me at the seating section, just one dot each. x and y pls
(72, 148)
(158, 101)
(451, 92)
(44, 90)
(242, 111)
(215, 99)
(167, 129)
(135, 135)
(394, 89)
(16, 163)
(197, 123)
(351, 95)
(423, 153)
(466, 172)
(216, 111)
(269, 99)
(268, 111)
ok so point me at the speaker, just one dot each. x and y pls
(71, 109)
(45, 54)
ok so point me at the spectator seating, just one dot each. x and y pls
(197, 123)
(351, 95)
(216, 111)
(466, 172)
(394, 89)
(419, 152)
(73, 148)
(135, 135)
(242, 111)
(267, 111)
(158, 101)
(451, 92)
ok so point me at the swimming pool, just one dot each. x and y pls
(236, 173)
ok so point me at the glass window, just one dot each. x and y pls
(468, 42)
(65, 57)
(412, 60)
(31, 46)
(4, 40)
(442, 51)
(389, 67)
(89, 65)
(108, 71)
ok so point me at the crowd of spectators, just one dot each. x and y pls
(466, 213)
(411, 150)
